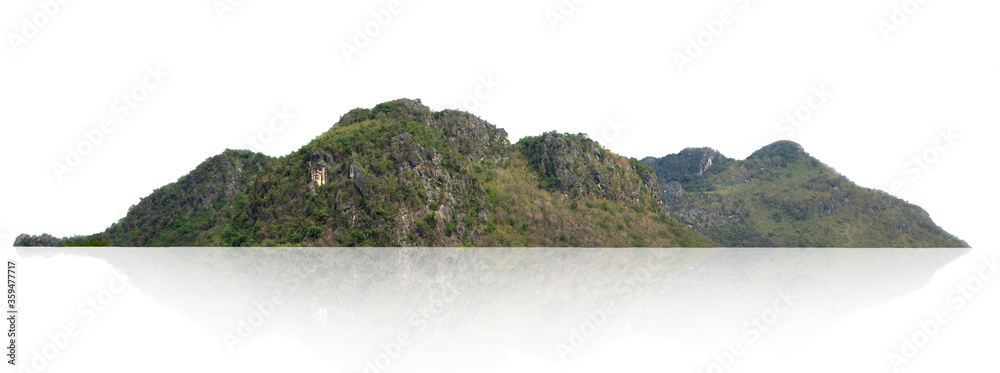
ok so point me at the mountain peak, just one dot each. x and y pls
(781, 196)
(688, 164)
(786, 149)
(578, 166)
(399, 109)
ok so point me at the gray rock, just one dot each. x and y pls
(673, 189)
(357, 175)
(649, 180)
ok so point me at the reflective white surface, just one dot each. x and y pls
(847, 311)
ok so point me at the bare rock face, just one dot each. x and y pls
(673, 190)
(473, 137)
(687, 165)
(577, 166)
(357, 175)
(705, 158)
(649, 180)
(318, 173)
(317, 169)
(567, 160)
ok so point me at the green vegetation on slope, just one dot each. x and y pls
(781, 196)
(400, 175)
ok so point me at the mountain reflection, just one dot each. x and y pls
(436, 307)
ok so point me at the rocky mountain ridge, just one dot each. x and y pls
(400, 174)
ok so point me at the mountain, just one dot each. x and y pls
(400, 174)
(782, 196)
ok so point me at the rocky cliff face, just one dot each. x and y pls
(471, 136)
(687, 166)
(578, 166)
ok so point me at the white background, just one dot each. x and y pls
(606, 60)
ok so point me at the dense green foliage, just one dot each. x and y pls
(401, 175)
(781, 196)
